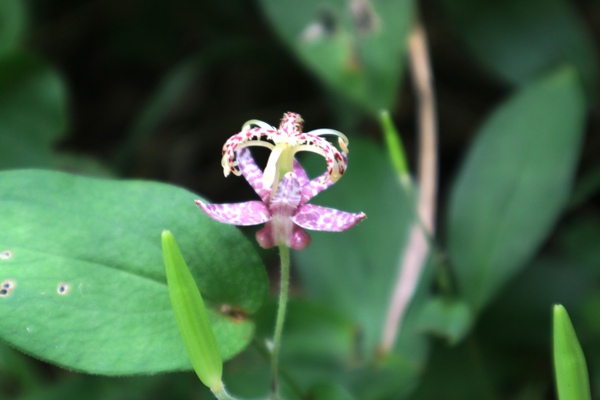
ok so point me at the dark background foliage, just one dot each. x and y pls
(154, 88)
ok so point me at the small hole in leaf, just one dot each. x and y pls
(62, 288)
(365, 17)
(325, 25)
(8, 285)
(4, 292)
(6, 255)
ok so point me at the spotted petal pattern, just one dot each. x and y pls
(287, 140)
(253, 174)
(318, 218)
(287, 198)
(242, 214)
(300, 173)
(283, 208)
(317, 185)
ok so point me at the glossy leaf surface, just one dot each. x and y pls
(87, 290)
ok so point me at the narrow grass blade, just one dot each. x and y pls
(394, 146)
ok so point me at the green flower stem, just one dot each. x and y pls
(221, 394)
(284, 253)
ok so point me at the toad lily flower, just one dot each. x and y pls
(288, 140)
(285, 212)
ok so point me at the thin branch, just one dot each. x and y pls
(415, 255)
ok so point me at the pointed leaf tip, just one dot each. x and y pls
(572, 380)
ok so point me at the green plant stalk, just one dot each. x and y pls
(221, 394)
(395, 147)
(192, 319)
(284, 253)
(572, 381)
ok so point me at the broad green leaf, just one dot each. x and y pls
(519, 40)
(355, 48)
(514, 183)
(572, 379)
(13, 23)
(86, 285)
(33, 111)
(192, 318)
(354, 272)
(447, 318)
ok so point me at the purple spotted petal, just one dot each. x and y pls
(314, 187)
(248, 213)
(287, 197)
(317, 218)
(300, 173)
(252, 173)
(317, 185)
(296, 239)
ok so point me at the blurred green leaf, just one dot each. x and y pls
(519, 40)
(586, 187)
(318, 343)
(356, 48)
(518, 317)
(329, 391)
(92, 387)
(514, 183)
(13, 22)
(165, 98)
(17, 372)
(580, 238)
(448, 318)
(572, 379)
(353, 272)
(86, 285)
(33, 111)
(448, 370)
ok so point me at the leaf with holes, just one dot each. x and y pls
(356, 47)
(515, 181)
(82, 278)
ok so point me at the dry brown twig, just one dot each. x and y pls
(415, 256)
